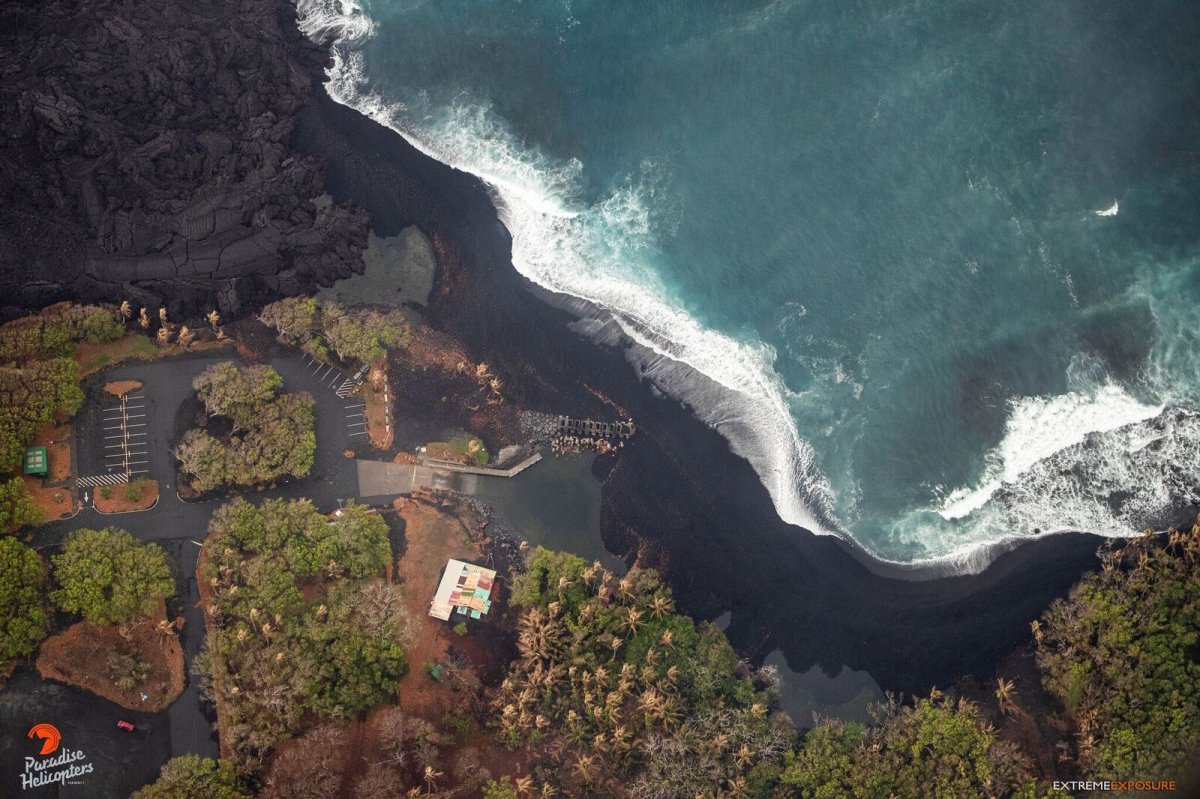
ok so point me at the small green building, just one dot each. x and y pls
(36, 461)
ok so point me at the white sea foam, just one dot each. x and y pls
(1112, 210)
(1093, 459)
(1037, 428)
(592, 252)
(1111, 483)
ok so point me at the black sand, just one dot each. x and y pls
(677, 492)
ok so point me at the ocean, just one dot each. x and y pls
(931, 267)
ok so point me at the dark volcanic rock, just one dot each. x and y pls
(144, 154)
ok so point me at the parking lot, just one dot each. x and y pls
(341, 381)
(116, 439)
(356, 420)
(125, 436)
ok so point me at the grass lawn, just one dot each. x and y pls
(460, 449)
(133, 346)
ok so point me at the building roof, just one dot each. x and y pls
(464, 587)
(36, 461)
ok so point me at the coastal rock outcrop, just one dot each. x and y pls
(144, 154)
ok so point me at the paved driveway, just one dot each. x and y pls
(177, 526)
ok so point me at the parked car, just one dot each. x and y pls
(126, 725)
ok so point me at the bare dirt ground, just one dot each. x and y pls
(119, 388)
(432, 537)
(85, 656)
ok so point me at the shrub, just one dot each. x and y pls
(22, 603)
(108, 577)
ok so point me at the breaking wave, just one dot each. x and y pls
(1094, 458)
(591, 252)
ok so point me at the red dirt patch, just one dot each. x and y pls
(95, 657)
(56, 437)
(138, 495)
(119, 388)
(56, 503)
(431, 538)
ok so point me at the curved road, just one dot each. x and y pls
(179, 526)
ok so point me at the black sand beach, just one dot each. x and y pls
(677, 497)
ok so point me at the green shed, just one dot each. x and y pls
(36, 461)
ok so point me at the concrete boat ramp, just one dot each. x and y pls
(387, 479)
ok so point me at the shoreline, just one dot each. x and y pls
(677, 498)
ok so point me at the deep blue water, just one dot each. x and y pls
(872, 226)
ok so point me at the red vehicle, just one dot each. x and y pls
(125, 725)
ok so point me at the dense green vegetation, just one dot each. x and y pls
(322, 327)
(108, 577)
(1122, 652)
(299, 624)
(609, 668)
(22, 602)
(271, 433)
(195, 777)
(17, 507)
(934, 747)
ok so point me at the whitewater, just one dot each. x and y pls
(1103, 456)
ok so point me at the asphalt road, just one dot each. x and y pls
(177, 526)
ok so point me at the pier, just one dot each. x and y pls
(594, 429)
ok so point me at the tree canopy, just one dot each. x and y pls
(1122, 652)
(17, 507)
(195, 777)
(320, 327)
(272, 434)
(934, 747)
(108, 577)
(22, 601)
(275, 656)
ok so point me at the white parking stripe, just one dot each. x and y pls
(361, 433)
(352, 415)
(359, 405)
(356, 424)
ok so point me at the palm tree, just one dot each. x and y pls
(162, 317)
(1006, 696)
(185, 337)
(125, 311)
(214, 321)
(737, 788)
(144, 319)
(633, 618)
(650, 701)
(585, 766)
(744, 756)
(659, 606)
(1035, 627)
(431, 776)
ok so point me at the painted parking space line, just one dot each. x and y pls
(334, 380)
(360, 433)
(359, 405)
(352, 415)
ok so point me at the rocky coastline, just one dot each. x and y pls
(205, 187)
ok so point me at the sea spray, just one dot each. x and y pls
(965, 281)
(729, 384)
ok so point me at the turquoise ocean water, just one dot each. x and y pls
(931, 266)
